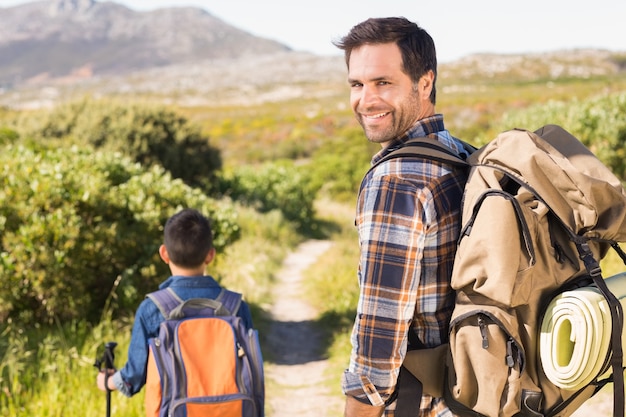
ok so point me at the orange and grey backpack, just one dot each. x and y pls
(536, 329)
(204, 361)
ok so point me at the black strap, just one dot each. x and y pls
(429, 148)
(408, 394)
(617, 316)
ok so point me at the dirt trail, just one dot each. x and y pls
(297, 383)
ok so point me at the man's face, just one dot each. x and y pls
(384, 99)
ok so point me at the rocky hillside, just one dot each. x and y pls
(81, 38)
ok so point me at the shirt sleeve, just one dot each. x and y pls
(392, 219)
(132, 377)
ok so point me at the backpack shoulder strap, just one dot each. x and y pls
(426, 147)
(166, 300)
(230, 300)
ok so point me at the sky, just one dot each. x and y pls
(459, 27)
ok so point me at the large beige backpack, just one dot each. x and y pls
(535, 331)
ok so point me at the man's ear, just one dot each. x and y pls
(425, 85)
(163, 254)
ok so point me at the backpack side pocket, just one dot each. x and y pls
(485, 363)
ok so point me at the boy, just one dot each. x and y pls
(188, 250)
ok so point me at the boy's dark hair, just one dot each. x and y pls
(416, 46)
(188, 238)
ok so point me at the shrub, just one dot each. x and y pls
(74, 222)
(7, 136)
(278, 186)
(148, 134)
(338, 167)
(599, 123)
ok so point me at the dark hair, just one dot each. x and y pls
(188, 238)
(416, 45)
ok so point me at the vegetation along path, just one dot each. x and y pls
(297, 383)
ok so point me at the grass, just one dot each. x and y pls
(50, 371)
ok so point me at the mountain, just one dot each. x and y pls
(57, 50)
(81, 38)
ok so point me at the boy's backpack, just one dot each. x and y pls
(535, 330)
(204, 362)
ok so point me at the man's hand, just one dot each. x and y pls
(355, 408)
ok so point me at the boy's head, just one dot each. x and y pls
(188, 239)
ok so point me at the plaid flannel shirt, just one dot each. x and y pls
(408, 220)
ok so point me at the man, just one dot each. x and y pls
(408, 214)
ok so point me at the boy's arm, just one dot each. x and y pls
(132, 376)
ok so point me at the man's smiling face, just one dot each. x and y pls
(383, 97)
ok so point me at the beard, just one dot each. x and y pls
(379, 134)
(396, 122)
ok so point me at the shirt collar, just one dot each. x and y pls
(428, 126)
(192, 282)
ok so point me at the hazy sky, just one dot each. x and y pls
(459, 27)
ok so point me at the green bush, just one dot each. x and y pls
(338, 166)
(74, 224)
(599, 123)
(148, 134)
(280, 186)
(7, 136)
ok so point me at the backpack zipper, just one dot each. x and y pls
(513, 352)
(482, 326)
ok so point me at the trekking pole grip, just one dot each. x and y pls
(109, 359)
(109, 355)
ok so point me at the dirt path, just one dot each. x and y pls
(297, 383)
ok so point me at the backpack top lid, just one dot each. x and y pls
(581, 191)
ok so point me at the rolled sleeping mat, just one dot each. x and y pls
(566, 352)
(575, 337)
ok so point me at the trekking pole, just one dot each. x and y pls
(107, 359)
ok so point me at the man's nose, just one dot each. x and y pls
(369, 95)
